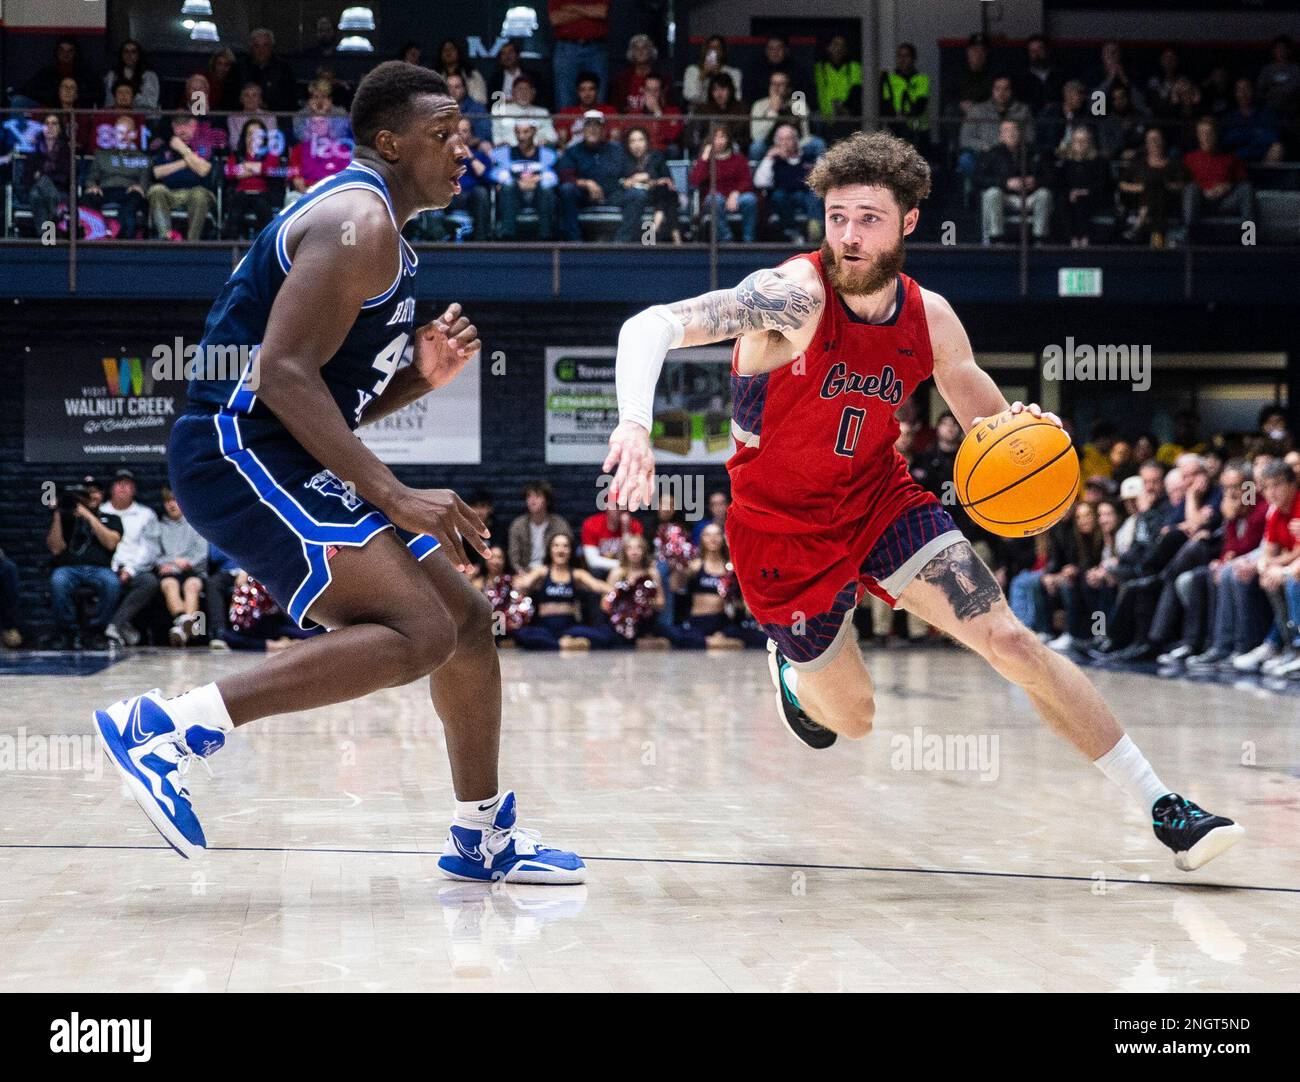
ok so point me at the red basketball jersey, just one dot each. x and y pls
(815, 438)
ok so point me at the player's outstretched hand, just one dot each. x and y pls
(633, 464)
(444, 515)
(1020, 407)
(443, 347)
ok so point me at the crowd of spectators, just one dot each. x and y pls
(546, 144)
(618, 581)
(552, 146)
(1114, 151)
(1102, 150)
(239, 138)
(122, 573)
(1184, 553)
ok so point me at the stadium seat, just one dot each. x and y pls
(1279, 217)
(17, 208)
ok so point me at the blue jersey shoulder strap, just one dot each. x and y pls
(354, 176)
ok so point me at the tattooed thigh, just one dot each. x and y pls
(967, 584)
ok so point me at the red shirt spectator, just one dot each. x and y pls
(583, 29)
(588, 98)
(1212, 168)
(627, 90)
(663, 123)
(247, 180)
(628, 82)
(733, 174)
(1276, 528)
(1244, 533)
(318, 156)
(604, 532)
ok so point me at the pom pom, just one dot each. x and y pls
(249, 604)
(516, 608)
(632, 605)
(674, 547)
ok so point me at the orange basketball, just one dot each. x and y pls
(1016, 474)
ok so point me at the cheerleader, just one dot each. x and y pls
(709, 584)
(672, 547)
(510, 609)
(553, 588)
(635, 595)
(492, 572)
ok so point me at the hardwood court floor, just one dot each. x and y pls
(722, 854)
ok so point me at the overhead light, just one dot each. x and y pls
(204, 31)
(196, 7)
(520, 22)
(355, 43)
(188, 24)
(357, 19)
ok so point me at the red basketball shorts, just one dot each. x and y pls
(802, 588)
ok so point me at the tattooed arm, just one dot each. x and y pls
(781, 302)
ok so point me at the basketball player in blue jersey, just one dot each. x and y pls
(267, 467)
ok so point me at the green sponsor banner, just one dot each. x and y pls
(692, 415)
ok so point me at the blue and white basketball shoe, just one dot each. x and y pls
(504, 852)
(154, 757)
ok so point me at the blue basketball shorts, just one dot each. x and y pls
(253, 491)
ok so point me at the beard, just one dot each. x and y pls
(859, 279)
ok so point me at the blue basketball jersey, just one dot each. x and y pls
(360, 370)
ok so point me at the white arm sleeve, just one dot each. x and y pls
(596, 563)
(643, 343)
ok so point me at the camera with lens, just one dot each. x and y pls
(72, 496)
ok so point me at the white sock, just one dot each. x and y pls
(478, 811)
(1128, 768)
(790, 677)
(202, 706)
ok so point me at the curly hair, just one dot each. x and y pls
(874, 159)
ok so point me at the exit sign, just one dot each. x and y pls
(1079, 282)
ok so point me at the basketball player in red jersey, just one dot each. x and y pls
(828, 345)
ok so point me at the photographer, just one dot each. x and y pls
(82, 539)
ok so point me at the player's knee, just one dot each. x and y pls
(855, 717)
(423, 648)
(476, 621)
(1011, 647)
